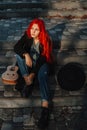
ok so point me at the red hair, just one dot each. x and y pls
(43, 37)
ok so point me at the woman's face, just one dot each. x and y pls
(35, 31)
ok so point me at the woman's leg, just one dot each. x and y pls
(22, 66)
(24, 71)
(27, 88)
(45, 96)
(43, 84)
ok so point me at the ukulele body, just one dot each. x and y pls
(10, 76)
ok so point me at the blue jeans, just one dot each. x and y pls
(42, 77)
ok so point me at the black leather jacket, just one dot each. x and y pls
(24, 46)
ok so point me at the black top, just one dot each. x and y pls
(24, 46)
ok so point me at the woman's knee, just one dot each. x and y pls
(43, 72)
(18, 57)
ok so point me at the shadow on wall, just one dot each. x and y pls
(78, 36)
(56, 34)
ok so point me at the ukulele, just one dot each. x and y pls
(10, 76)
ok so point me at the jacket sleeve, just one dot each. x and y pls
(21, 45)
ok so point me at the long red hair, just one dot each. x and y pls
(43, 38)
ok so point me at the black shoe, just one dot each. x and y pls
(20, 84)
(44, 118)
(27, 91)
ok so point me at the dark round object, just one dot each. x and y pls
(71, 76)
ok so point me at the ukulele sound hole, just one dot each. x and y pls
(12, 68)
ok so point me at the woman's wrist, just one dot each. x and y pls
(25, 54)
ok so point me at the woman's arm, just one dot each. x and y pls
(28, 59)
(19, 46)
(23, 45)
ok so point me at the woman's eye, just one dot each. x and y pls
(36, 30)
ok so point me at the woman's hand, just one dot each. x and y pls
(28, 60)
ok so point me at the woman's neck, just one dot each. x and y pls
(36, 41)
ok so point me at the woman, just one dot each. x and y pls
(34, 54)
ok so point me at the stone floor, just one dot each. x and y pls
(65, 118)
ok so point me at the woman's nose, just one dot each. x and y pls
(34, 31)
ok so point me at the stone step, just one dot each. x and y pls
(43, 13)
(65, 57)
(74, 116)
(75, 10)
(69, 5)
(74, 44)
(21, 5)
(36, 102)
(7, 60)
(8, 91)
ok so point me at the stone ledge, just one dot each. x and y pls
(36, 102)
(19, 5)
